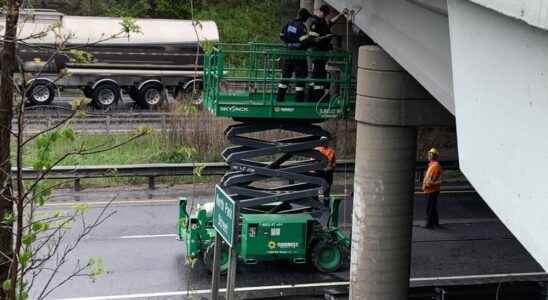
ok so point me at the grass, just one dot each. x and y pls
(153, 148)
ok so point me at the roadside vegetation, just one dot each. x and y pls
(198, 137)
(153, 148)
(238, 21)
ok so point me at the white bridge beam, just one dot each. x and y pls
(415, 33)
(500, 72)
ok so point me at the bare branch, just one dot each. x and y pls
(102, 217)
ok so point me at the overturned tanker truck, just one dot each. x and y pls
(164, 57)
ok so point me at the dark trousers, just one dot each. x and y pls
(328, 176)
(317, 89)
(300, 68)
(432, 217)
(319, 72)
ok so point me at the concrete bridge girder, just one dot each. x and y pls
(415, 33)
(500, 72)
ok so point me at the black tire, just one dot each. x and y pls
(41, 92)
(327, 256)
(105, 95)
(150, 95)
(207, 257)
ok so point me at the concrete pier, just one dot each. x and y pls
(383, 184)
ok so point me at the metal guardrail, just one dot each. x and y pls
(166, 169)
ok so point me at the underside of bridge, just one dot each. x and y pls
(486, 63)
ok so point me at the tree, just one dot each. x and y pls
(32, 242)
(7, 62)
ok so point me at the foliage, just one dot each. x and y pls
(159, 150)
(238, 21)
(80, 56)
(40, 247)
(243, 21)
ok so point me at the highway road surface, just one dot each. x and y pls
(144, 259)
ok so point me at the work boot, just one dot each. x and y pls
(281, 94)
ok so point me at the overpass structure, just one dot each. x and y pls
(486, 63)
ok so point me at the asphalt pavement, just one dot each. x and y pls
(144, 259)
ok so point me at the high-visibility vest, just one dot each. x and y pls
(433, 174)
(329, 154)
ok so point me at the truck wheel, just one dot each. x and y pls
(41, 92)
(150, 95)
(105, 94)
(327, 256)
(208, 257)
(188, 93)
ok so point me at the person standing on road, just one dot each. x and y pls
(327, 173)
(431, 188)
(320, 29)
(295, 35)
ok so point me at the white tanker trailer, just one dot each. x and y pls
(164, 57)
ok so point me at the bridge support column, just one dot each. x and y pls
(384, 177)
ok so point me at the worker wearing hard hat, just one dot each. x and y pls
(431, 187)
(295, 35)
(327, 172)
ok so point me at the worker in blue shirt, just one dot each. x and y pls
(295, 35)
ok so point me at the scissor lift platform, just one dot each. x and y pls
(241, 82)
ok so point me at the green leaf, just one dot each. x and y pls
(68, 133)
(79, 104)
(39, 226)
(8, 218)
(80, 56)
(129, 25)
(40, 192)
(144, 130)
(96, 267)
(80, 208)
(27, 239)
(24, 257)
(6, 285)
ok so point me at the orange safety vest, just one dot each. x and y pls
(433, 175)
(328, 153)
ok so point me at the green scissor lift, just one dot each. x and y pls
(241, 82)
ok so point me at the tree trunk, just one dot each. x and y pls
(7, 61)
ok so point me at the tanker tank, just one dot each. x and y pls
(165, 55)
